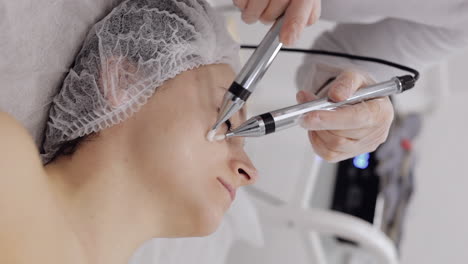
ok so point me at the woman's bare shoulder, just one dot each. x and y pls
(31, 226)
(17, 148)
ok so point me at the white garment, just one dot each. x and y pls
(451, 14)
(417, 33)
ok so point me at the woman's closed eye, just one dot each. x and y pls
(229, 125)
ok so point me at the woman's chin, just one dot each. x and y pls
(206, 223)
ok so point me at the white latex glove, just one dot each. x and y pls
(351, 130)
(298, 14)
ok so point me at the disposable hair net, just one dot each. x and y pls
(127, 56)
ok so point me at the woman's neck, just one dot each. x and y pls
(110, 216)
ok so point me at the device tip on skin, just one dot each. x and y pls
(211, 136)
(219, 137)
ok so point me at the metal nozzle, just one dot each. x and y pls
(231, 104)
(254, 127)
(250, 74)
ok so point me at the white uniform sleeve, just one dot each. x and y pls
(415, 45)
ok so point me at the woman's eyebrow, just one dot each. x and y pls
(224, 89)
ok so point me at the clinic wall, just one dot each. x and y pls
(436, 230)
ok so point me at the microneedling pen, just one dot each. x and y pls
(249, 76)
(287, 117)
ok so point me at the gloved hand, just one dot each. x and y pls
(351, 130)
(298, 14)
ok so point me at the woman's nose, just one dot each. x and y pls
(243, 167)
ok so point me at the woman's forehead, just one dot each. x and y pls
(214, 80)
(212, 83)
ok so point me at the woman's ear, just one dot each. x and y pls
(118, 75)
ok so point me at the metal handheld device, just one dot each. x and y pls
(250, 75)
(280, 119)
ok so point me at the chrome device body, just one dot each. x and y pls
(289, 116)
(249, 76)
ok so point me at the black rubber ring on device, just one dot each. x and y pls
(239, 91)
(270, 126)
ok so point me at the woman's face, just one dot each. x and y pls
(194, 180)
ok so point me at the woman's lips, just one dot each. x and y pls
(229, 188)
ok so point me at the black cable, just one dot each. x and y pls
(406, 79)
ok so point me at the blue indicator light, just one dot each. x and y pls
(361, 161)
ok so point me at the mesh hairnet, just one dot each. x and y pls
(126, 56)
